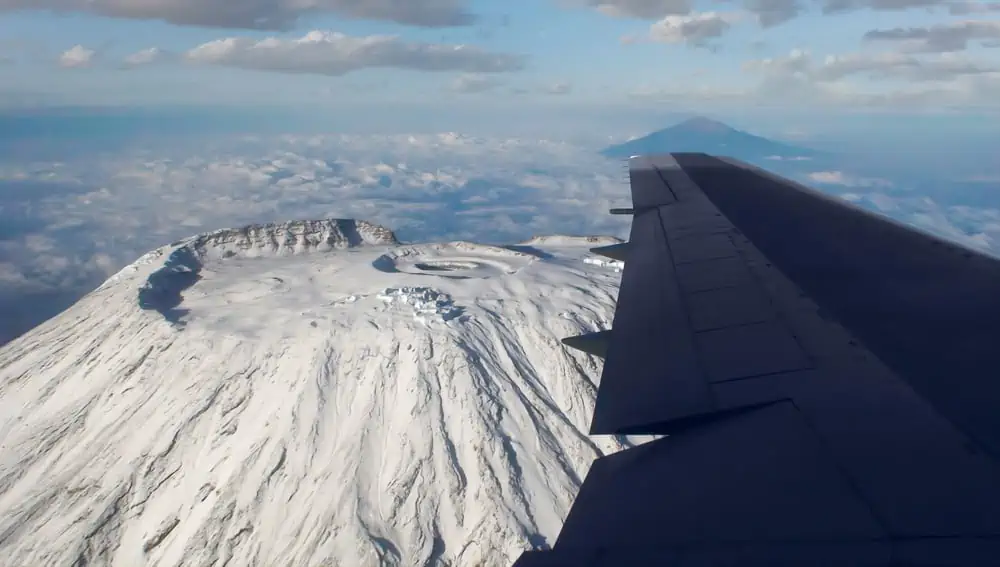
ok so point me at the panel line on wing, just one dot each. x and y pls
(735, 352)
(741, 251)
(852, 483)
(647, 185)
(730, 326)
(665, 184)
(767, 375)
(685, 308)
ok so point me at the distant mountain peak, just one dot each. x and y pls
(704, 135)
(702, 124)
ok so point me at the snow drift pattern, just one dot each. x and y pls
(296, 418)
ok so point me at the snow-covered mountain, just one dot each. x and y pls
(306, 393)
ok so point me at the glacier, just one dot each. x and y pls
(307, 393)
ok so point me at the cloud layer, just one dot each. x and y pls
(645, 9)
(333, 53)
(951, 36)
(835, 6)
(471, 83)
(884, 79)
(67, 225)
(874, 65)
(773, 12)
(259, 14)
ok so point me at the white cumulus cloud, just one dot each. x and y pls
(76, 57)
(144, 57)
(558, 88)
(693, 29)
(844, 179)
(334, 53)
(767, 12)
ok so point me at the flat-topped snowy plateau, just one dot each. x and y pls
(306, 393)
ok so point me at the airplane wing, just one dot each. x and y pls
(828, 381)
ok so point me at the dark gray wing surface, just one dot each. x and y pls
(828, 381)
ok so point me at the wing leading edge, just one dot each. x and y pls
(827, 379)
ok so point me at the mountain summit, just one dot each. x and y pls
(709, 136)
(702, 124)
(306, 393)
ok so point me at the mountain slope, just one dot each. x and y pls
(707, 136)
(306, 397)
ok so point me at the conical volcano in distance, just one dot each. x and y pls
(703, 135)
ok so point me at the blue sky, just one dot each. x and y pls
(780, 53)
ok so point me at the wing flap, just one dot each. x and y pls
(650, 371)
(713, 483)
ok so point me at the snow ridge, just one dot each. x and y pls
(162, 290)
(293, 237)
